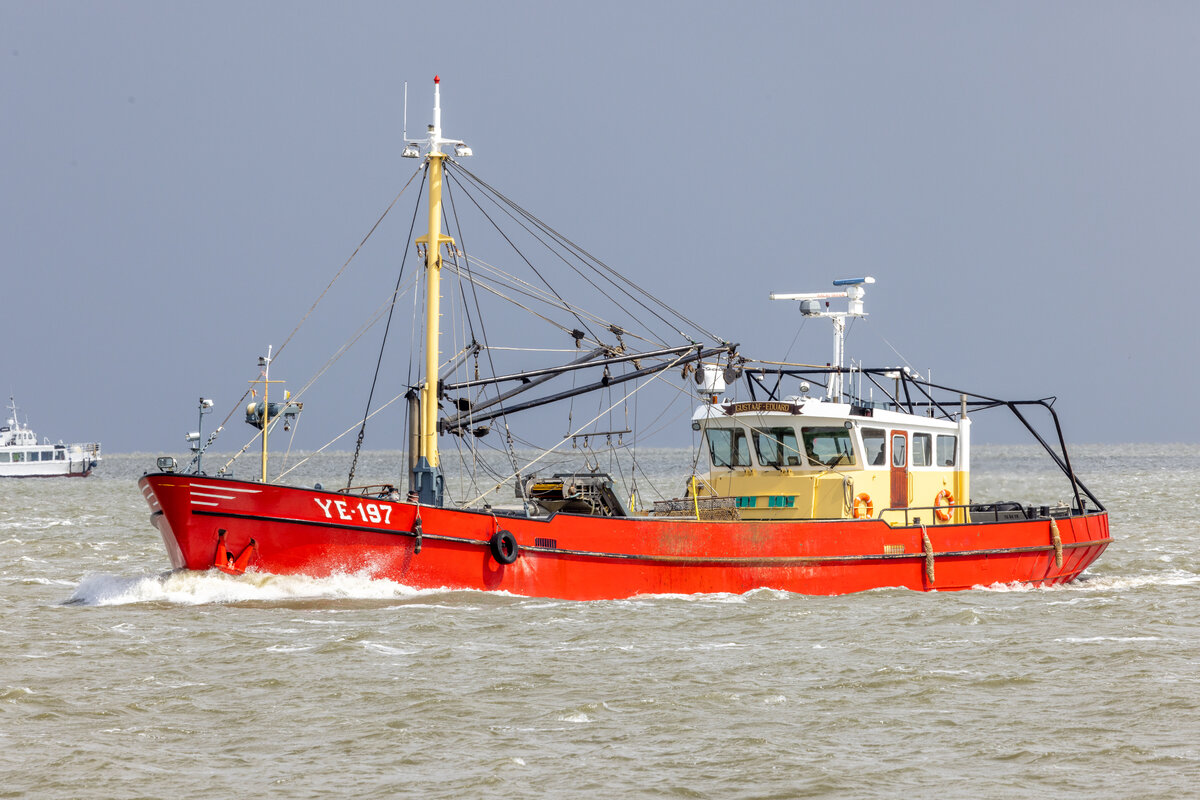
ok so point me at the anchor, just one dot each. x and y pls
(225, 561)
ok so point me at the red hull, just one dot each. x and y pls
(317, 533)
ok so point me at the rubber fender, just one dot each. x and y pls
(504, 547)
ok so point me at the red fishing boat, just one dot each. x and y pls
(823, 491)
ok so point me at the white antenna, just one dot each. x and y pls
(810, 306)
(433, 142)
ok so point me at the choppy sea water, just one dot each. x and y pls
(119, 679)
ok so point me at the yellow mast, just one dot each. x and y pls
(433, 297)
(266, 417)
(428, 480)
(265, 380)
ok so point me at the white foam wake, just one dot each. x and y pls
(198, 588)
(1103, 583)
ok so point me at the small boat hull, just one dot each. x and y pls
(78, 474)
(210, 522)
(50, 469)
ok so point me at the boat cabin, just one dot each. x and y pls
(808, 458)
(42, 453)
(13, 435)
(19, 445)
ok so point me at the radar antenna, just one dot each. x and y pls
(810, 306)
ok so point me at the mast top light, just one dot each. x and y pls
(433, 143)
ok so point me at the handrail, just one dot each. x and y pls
(968, 507)
(381, 490)
(903, 400)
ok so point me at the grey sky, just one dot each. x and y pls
(180, 180)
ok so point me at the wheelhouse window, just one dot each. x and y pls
(828, 446)
(777, 447)
(875, 447)
(899, 450)
(922, 450)
(728, 447)
(947, 451)
(60, 455)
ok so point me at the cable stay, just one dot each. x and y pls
(616, 279)
(534, 293)
(345, 265)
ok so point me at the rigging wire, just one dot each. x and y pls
(907, 363)
(521, 287)
(212, 437)
(531, 349)
(488, 287)
(516, 249)
(291, 441)
(796, 338)
(375, 316)
(461, 314)
(641, 386)
(348, 260)
(599, 266)
(383, 344)
(474, 278)
(479, 311)
(463, 268)
(332, 441)
(633, 487)
(651, 430)
(568, 307)
(341, 351)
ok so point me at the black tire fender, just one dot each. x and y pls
(504, 547)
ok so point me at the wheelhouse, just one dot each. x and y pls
(805, 458)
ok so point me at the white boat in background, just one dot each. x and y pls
(21, 456)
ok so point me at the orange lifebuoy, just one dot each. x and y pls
(943, 514)
(863, 507)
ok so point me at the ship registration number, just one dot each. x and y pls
(367, 512)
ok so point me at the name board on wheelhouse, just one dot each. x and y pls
(762, 407)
